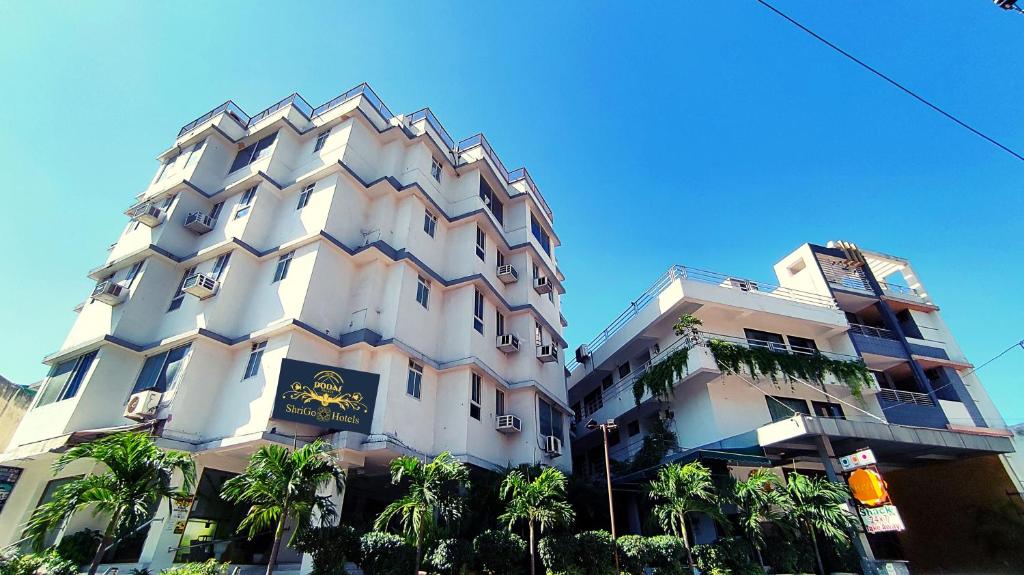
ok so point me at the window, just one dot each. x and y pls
(219, 265)
(422, 290)
(162, 371)
(606, 382)
(782, 408)
(827, 409)
(166, 205)
(245, 204)
(481, 244)
(478, 311)
(592, 402)
(132, 273)
(764, 339)
(215, 212)
(179, 294)
(283, 263)
(65, 378)
(536, 271)
(801, 344)
(429, 223)
(252, 367)
(539, 233)
(538, 334)
(253, 152)
(414, 384)
(499, 257)
(550, 419)
(321, 139)
(633, 427)
(491, 201)
(304, 196)
(623, 370)
(474, 397)
(499, 402)
(435, 169)
(499, 322)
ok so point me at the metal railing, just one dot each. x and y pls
(900, 290)
(426, 114)
(844, 274)
(872, 331)
(229, 108)
(678, 272)
(521, 174)
(364, 90)
(908, 397)
(294, 100)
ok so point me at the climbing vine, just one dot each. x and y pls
(660, 377)
(732, 358)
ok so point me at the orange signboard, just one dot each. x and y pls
(868, 487)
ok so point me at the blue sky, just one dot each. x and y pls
(710, 134)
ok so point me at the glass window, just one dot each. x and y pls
(538, 334)
(540, 234)
(422, 290)
(245, 203)
(474, 397)
(304, 196)
(414, 384)
(633, 427)
(65, 379)
(765, 339)
(283, 263)
(606, 382)
(321, 139)
(220, 264)
(499, 257)
(429, 223)
(491, 201)
(478, 311)
(827, 409)
(499, 402)
(801, 344)
(132, 272)
(252, 367)
(481, 244)
(435, 169)
(215, 212)
(179, 294)
(782, 408)
(253, 152)
(499, 322)
(162, 371)
(623, 370)
(550, 419)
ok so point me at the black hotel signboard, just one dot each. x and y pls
(325, 396)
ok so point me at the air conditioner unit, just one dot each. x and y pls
(507, 343)
(146, 214)
(542, 284)
(745, 285)
(108, 292)
(199, 223)
(508, 424)
(508, 274)
(142, 405)
(200, 285)
(553, 445)
(582, 353)
(547, 353)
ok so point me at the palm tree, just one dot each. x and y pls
(761, 499)
(681, 490)
(432, 494)
(282, 484)
(541, 503)
(816, 505)
(137, 479)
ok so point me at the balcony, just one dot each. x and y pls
(508, 424)
(109, 292)
(845, 274)
(905, 397)
(507, 274)
(507, 343)
(199, 223)
(146, 214)
(872, 331)
(200, 285)
(547, 353)
(907, 296)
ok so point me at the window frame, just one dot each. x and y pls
(160, 374)
(499, 402)
(219, 265)
(79, 369)
(179, 295)
(245, 202)
(321, 140)
(423, 291)
(475, 391)
(252, 365)
(252, 153)
(478, 311)
(304, 195)
(284, 263)
(481, 244)
(429, 223)
(414, 380)
(435, 169)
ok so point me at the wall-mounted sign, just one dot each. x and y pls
(868, 487)
(861, 458)
(8, 477)
(325, 396)
(880, 519)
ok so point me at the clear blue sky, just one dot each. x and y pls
(711, 134)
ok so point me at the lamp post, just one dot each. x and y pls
(609, 425)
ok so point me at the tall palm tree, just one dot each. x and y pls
(679, 491)
(541, 503)
(816, 505)
(761, 499)
(138, 477)
(433, 493)
(282, 484)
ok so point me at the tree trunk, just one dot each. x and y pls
(817, 554)
(278, 535)
(108, 537)
(419, 551)
(533, 560)
(686, 540)
(760, 558)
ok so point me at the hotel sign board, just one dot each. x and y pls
(325, 396)
(881, 519)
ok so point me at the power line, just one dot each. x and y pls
(893, 82)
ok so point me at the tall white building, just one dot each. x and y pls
(939, 440)
(342, 235)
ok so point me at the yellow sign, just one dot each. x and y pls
(868, 487)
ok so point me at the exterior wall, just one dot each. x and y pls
(14, 402)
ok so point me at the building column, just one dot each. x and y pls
(858, 537)
(161, 543)
(338, 499)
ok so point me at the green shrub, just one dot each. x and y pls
(668, 554)
(596, 552)
(451, 556)
(500, 552)
(208, 567)
(14, 563)
(559, 554)
(634, 553)
(80, 547)
(726, 556)
(330, 547)
(386, 554)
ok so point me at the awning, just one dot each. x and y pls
(61, 443)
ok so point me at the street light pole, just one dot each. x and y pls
(605, 427)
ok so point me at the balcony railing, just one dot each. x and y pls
(872, 331)
(514, 176)
(678, 272)
(426, 114)
(364, 90)
(294, 100)
(229, 108)
(908, 397)
(900, 291)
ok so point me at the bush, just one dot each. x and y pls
(500, 552)
(386, 554)
(451, 556)
(634, 554)
(14, 563)
(208, 567)
(559, 554)
(80, 547)
(668, 554)
(330, 547)
(596, 552)
(726, 556)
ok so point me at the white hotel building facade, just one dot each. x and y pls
(343, 235)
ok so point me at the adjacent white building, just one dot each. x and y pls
(342, 235)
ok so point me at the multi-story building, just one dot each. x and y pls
(926, 416)
(342, 235)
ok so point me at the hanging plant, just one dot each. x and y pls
(760, 361)
(660, 377)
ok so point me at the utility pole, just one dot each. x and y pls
(605, 427)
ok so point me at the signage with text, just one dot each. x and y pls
(325, 396)
(881, 519)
